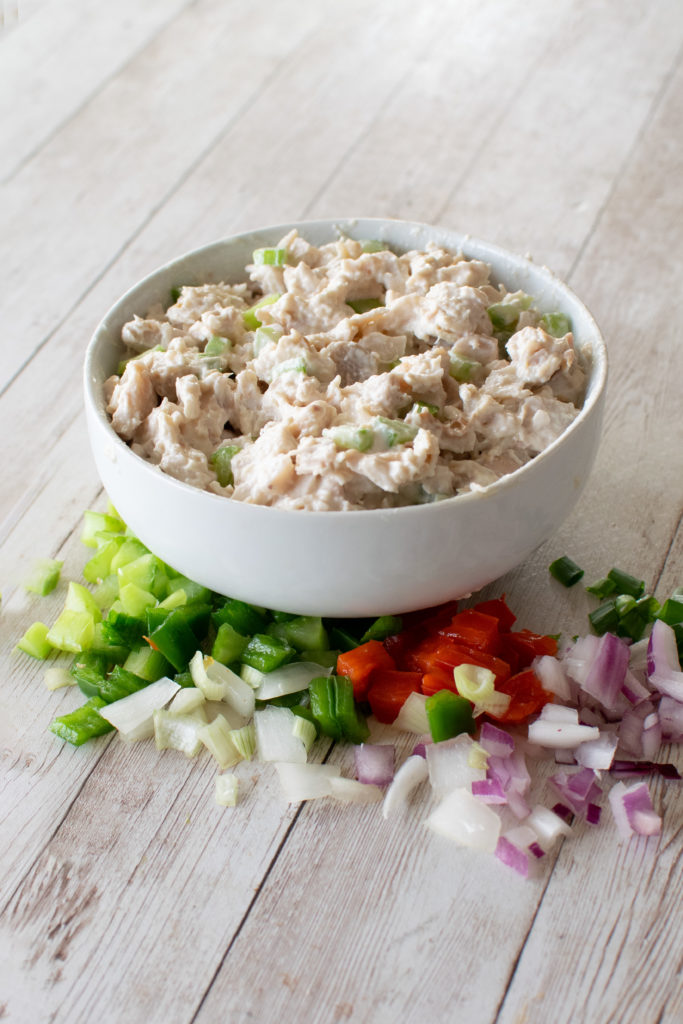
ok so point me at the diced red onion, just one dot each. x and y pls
(651, 738)
(606, 675)
(523, 836)
(375, 763)
(496, 741)
(489, 790)
(517, 804)
(631, 769)
(578, 660)
(512, 857)
(537, 850)
(664, 669)
(593, 813)
(577, 789)
(633, 689)
(633, 811)
(671, 718)
(563, 812)
(420, 749)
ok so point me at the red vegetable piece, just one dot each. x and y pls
(418, 626)
(445, 654)
(527, 696)
(389, 690)
(360, 663)
(525, 646)
(437, 679)
(499, 610)
(475, 630)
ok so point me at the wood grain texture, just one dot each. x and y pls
(126, 893)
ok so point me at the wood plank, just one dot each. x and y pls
(58, 58)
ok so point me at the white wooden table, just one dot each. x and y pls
(131, 132)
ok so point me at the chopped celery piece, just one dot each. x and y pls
(99, 566)
(305, 730)
(93, 522)
(265, 336)
(244, 741)
(217, 346)
(228, 645)
(73, 631)
(147, 572)
(82, 724)
(384, 626)
(227, 789)
(148, 663)
(373, 245)
(346, 436)
(79, 599)
(427, 407)
(221, 460)
(217, 738)
(57, 677)
(131, 549)
(106, 592)
(35, 641)
(463, 370)
(296, 365)
(194, 592)
(269, 257)
(306, 632)
(243, 617)
(556, 324)
(44, 576)
(503, 316)
(250, 316)
(394, 431)
(176, 599)
(252, 676)
(266, 652)
(364, 305)
(135, 601)
(177, 732)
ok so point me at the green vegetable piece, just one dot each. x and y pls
(44, 576)
(296, 365)
(605, 617)
(384, 626)
(428, 407)
(353, 725)
(121, 683)
(135, 601)
(147, 572)
(346, 436)
(343, 639)
(565, 571)
(176, 599)
(671, 611)
(322, 706)
(678, 631)
(229, 644)
(99, 566)
(35, 641)
(121, 628)
(174, 639)
(90, 670)
(217, 346)
(183, 679)
(394, 431)
(250, 316)
(326, 659)
(115, 653)
(364, 305)
(131, 549)
(80, 599)
(625, 583)
(373, 245)
(243, 617)
(73, 631)
(94, 522)
(503, 316)
(147, 663)
(175, 294)
(269, 257)
(464, 370)
(306, 632)
(304, 711)
(82, 724)
(221, 460)
(266, 652)
(194, 592)
(556, 324)
(448, 715)
(602, 588)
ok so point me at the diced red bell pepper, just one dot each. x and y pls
(527, 696)
(389, 690)
(523, 646)
(499, 610)
(437, 679)
(442, 653)
(474, 629)
(359, 664)
(418, 626)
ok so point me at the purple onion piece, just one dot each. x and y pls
(512, 856)
(375, 763)
(593, 813)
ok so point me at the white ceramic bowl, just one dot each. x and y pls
(346, 563)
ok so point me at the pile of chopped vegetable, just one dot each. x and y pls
(157, 655)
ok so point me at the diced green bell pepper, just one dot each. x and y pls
(448, 715)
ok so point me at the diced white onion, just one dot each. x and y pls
(449, 764)
(187, 700)
(226, 790)
(236, 693)
(275, 737)
(306, 781)
(351, 791)
(559, 734)
(56, 677)
(413, 716)
(212, 689)
(598, 754)
(552, 676)
(289, 679)
(559, 713)
(217, 739)
(252, 676)
(547, 825)
(466, 820)
(178, 732)
(133, 716)
(412, 772)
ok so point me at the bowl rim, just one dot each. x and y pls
(593, 351)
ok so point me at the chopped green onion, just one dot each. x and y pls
(625, 583)
(565, 571)
(244, 741)
(269, 257)
(35, 641)
(221, 460)
(44, 576)
(217, 738)
(602, 588)
(384, 626)
(605, 617)
(671, 611)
